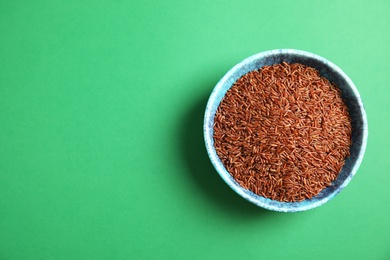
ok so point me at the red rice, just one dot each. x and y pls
(283, 132)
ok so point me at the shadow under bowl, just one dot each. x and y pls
(351, 98)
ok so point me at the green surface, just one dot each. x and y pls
(101, 144)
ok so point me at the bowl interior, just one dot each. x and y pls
(351, 98)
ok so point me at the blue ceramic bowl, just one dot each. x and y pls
(352, 100)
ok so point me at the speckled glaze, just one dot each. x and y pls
(327, 70)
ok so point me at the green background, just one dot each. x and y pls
(101, 145)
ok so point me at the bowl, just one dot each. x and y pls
(351, 98)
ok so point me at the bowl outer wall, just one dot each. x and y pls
(332, 73)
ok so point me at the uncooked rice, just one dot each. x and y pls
(283, 132)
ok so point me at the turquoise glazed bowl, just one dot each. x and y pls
(350, 95)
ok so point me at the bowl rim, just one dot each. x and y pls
(220, 168)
